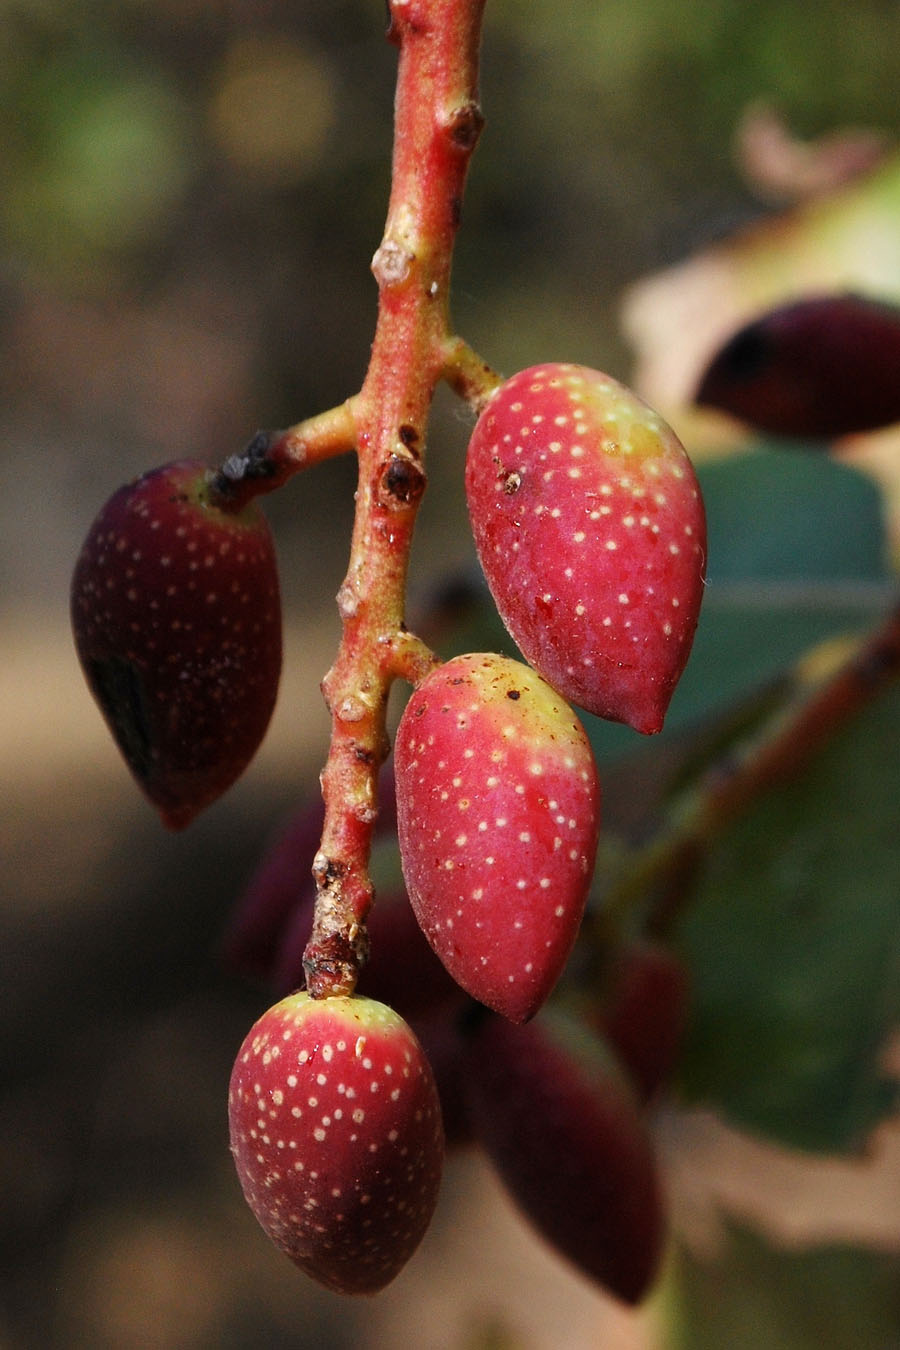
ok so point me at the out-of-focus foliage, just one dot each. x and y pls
(100, 158)
(609, 128)
(794, 941)
(192, 193)
(844, 240)
(754, 1296)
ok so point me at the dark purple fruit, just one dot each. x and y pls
(177, 621)
(819, 368)
(564, 1131)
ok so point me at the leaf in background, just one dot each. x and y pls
(102, 157)
(796, 551)
(795, 556)
(793, 940)
(788, 518)
(823, 367)
(757, 1297)
(781, 167)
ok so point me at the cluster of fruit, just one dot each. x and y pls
(590, 530)
(558, 1103)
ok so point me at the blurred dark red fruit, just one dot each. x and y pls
(272, 923)
(281, 885)
(645, 1015)
(442, 1040)
(819, 368)
(177, 621)
(265, 925)
(561, 1125)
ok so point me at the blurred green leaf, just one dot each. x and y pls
(796, 555)
(757, 1297)
(794, 943)
(103, 157)
(786, 514)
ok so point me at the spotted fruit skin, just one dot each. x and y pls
(498, 808)
(590, 529)
(176, 615)
(336, 1134)
(560, 1125)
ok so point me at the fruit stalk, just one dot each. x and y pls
(437, 124)
(272, 457)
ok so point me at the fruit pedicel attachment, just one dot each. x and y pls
(590, 530)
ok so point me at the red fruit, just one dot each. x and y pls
(645, 1016)
(337, 1139)
(560, 1125)
(177, 622)
(591, 532)
(498, 812)
(822, 367)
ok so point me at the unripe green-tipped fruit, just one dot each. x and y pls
(590, 529)
(498, 809)
(337, 1138)
(177, 621)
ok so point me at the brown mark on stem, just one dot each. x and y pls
(402, 482)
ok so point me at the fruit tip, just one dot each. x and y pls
(177, 818)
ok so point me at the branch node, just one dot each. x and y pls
(464, 126)
(392, 263)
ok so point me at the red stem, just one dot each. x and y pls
(437, 123)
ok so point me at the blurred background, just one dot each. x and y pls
(191, 194)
